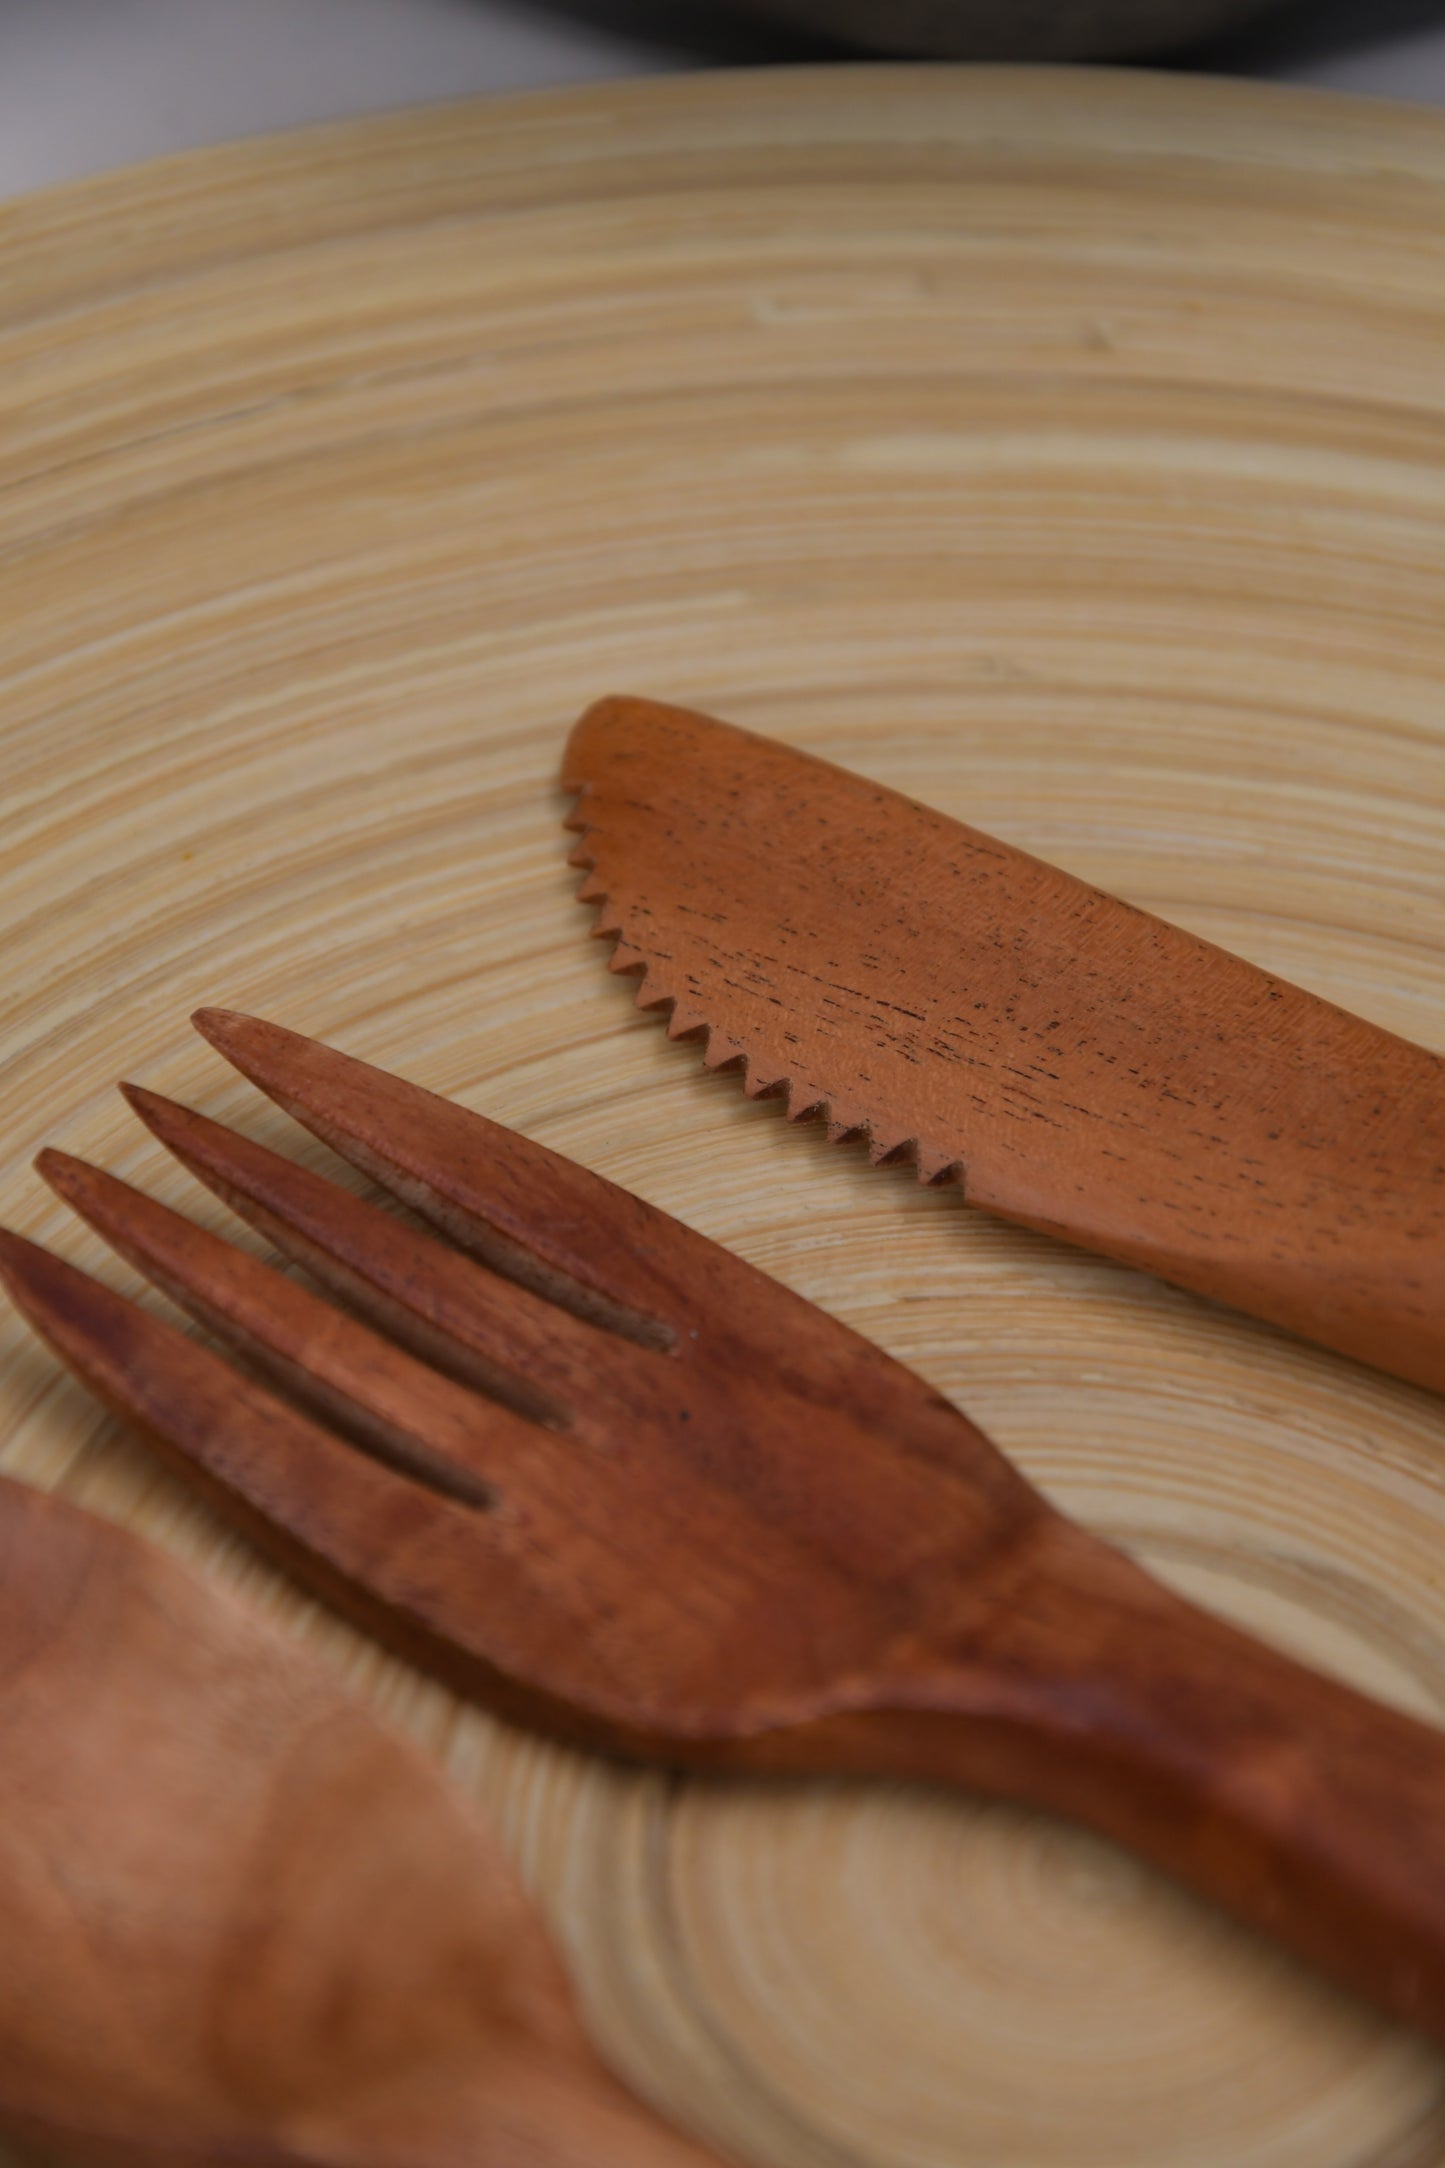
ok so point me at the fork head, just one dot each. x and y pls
(559, 1448)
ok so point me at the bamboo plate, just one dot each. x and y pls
(1066, 449)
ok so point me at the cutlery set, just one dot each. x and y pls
(612, 1482)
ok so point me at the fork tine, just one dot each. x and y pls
(290, 1484)
(443, 1584)
(585, 1244)
(398, 1407)
(450, 1310)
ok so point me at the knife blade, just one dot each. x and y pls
(1079, 1066)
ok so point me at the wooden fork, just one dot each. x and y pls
(240, 1921)
(619, 1484)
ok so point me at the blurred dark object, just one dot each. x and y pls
(1019, 29)
(1224, 37)
(1279, 38)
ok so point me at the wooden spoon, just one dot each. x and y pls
(243, 1922)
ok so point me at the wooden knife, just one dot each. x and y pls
(1078, 1065)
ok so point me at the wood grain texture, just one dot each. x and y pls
(1064, 451)
(1077, 1065)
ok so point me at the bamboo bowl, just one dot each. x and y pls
(1068, 450)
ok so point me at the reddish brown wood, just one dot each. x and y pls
(726, 1532)
(1084, 1069)
(240, 1920)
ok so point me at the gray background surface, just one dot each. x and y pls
(86, 84)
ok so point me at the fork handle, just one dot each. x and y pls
(1307, 1810)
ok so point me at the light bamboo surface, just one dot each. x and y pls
(1067, 450)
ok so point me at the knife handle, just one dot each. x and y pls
(1309, 1811)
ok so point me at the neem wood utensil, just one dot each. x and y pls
(241, 1921)
(1081, 1067)
(617, 1483)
